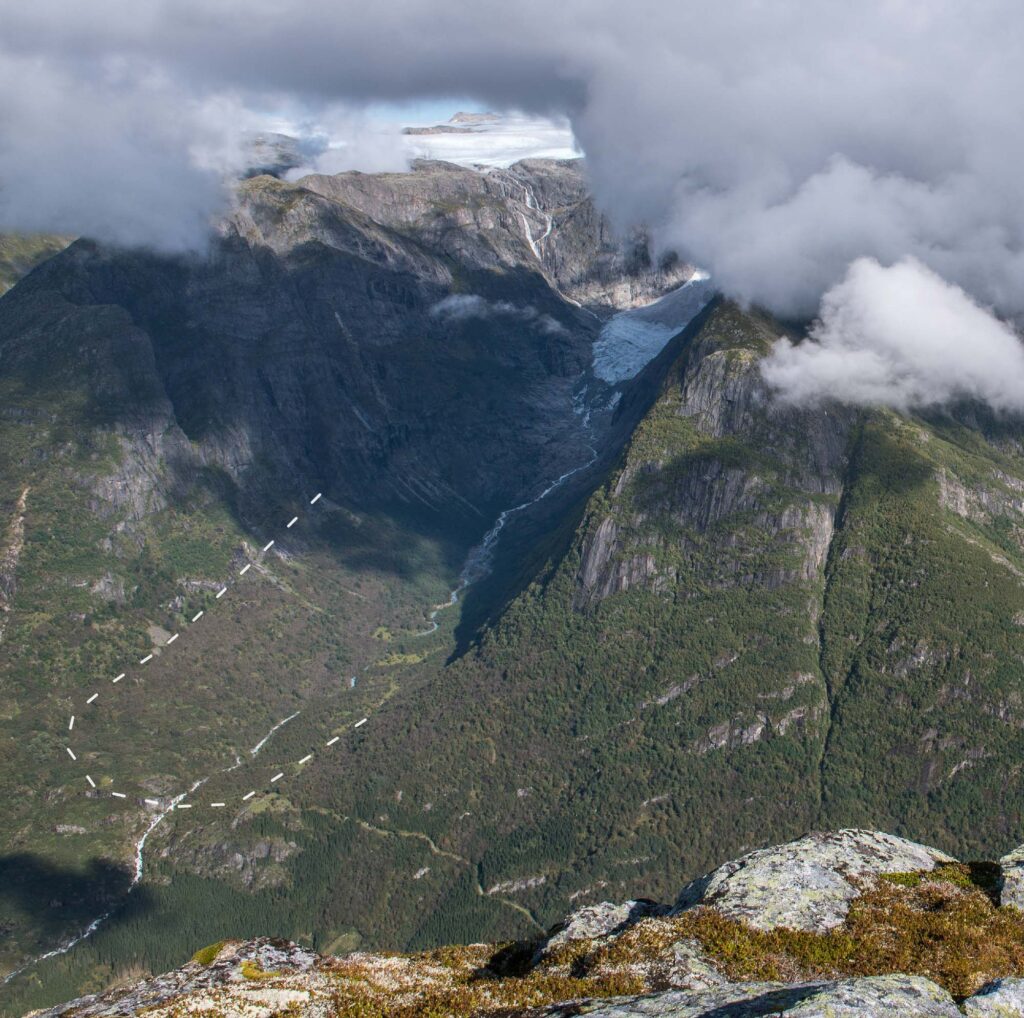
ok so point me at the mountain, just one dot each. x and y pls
(851, 923)
(611, 611)
(413, 348)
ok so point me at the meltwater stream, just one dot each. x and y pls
(480, 559)
(140, 847)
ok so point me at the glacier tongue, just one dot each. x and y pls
(632, 339)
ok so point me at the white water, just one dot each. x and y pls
(259, 745)
(480, 559)
(140, 847)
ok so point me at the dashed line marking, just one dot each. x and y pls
(149, 657)
(360, 723)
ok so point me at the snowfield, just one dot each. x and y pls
(630, 340)
(500, 141)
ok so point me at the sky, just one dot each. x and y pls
(781, 146)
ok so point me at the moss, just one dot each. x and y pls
(251, 970)
(206, 955)
(939, 924)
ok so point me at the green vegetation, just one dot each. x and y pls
(21, 252)
(766, 620)
(206, 955)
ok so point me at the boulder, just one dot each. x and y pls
(1003, 998)
(806, 884)
(870, 997)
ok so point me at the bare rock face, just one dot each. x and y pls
(311, 344)
(872, 997)
(720, 449)
(1012, 889)
(1003, 998)
(806, 884)
(601, 920)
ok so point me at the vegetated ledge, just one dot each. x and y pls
(846, 923)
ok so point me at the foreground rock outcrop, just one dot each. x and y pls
(832, 925)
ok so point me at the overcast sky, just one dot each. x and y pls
(771, 143)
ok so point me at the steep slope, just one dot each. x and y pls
(21, 252)
(162, 419)
(768, 617)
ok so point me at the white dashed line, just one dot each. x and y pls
(149, 657)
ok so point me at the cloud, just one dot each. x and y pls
(900, 337)
(459, 307)
(772, 144)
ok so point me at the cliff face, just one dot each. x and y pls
(718, 473)
(767, 618)
(854, 923)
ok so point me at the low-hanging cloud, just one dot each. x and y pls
(772, 144)
(460, 307)
(902, 337)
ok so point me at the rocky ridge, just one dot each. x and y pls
(772, 915)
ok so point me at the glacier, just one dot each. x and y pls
(630, 340)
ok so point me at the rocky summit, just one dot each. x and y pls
(850, 923)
